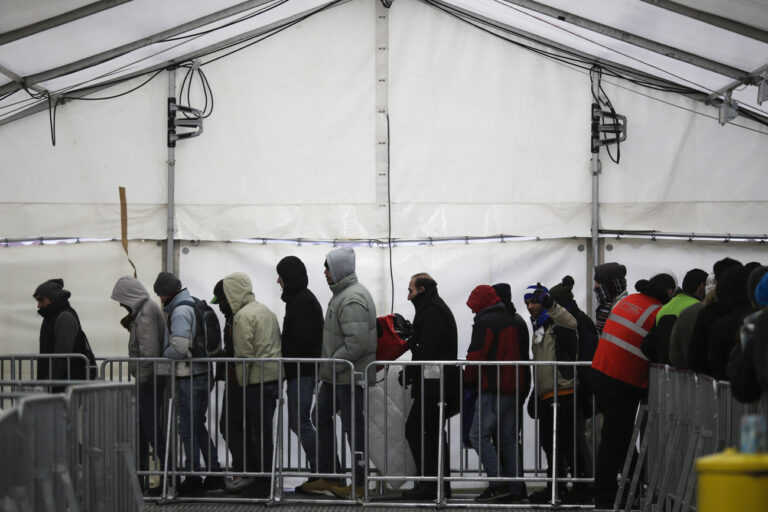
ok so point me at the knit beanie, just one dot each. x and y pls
(167, 284)
(530, 291)
(761, 291)
(609, 271)
(563, 291)
(51, 289)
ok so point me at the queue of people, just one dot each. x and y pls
(714, 324)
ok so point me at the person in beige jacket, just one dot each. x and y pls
(256, 335)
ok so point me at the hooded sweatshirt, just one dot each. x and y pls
(303, 321)
(145, 324)
(349, 331)
(255, 332)
(494, 338)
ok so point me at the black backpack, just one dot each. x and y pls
(207, 339)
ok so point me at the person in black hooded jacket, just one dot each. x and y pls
(723, 334)
(60, 333)
(302, 337)
(434, 338)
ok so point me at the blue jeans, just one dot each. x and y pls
(192, 395)
(497, 413)
(151, 431)
(326, 433)
(300, 392)
(260, 402)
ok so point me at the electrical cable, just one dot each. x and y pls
(226, 25)
(263, 37)
(607, 102)
(389, 223)
(570, 58)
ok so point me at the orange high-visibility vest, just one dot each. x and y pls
(618, 353)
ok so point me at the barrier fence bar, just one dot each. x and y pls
(688, 416)
(695, 416)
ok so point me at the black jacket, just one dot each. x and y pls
(434, 338)
(64, 337)
(303, 322)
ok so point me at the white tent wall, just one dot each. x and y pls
(71, 189)
(479, 146)
(680, 171)
(89, 270)
(457, 268)
(644, 259)
(474, 122)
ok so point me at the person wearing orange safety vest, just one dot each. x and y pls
(620, 379)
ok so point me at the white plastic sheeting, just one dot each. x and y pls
(479, 147)
(90, 271)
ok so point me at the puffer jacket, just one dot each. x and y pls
(145, 324)
(255, 332)
(349, 331)
(556, 340)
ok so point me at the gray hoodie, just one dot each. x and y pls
(145, 324)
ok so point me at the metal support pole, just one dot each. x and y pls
(171, 180)
(595, 168)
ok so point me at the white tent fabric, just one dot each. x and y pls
(479, 146)
(484, 138)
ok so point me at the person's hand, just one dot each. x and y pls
(543, 297)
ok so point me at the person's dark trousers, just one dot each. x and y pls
(151, 431)
(192, 396)
(618, 402)
(231, 424)
(327, 408)
(301, 391)
(261, 400)
(564, 453)
(427, 466)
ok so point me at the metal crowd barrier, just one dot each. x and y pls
(466, 471)
(386, 466)
(688, 416)
(66, 452)
(288, 461)
(19, 375)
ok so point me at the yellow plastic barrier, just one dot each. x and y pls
(733, 481)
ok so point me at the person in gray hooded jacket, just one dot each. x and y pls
(146, 326)
(349, 333)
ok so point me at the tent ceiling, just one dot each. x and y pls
(66, 46)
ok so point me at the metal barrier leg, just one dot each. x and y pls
(688, 471)
(630, 454)
(62, 472)
(135, 487)
(440, 437)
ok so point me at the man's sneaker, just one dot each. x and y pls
(318, 486)
(493, 493)
(346, 492)
(236, 483)
(191, 486)
(214, 483)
